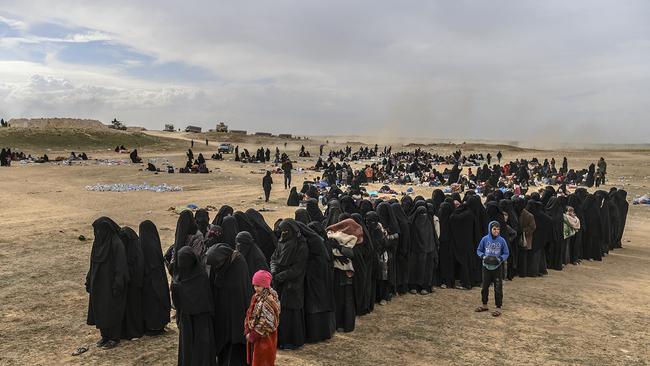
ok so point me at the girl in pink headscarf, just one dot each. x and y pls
(261, 324)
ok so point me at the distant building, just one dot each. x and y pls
(222, 127)
(194, 129)
(238, 132)
(268, 134)
(285, 136)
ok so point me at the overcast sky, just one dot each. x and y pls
(531, 70)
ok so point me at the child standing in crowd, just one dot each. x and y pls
(493, 250)
(261, 324)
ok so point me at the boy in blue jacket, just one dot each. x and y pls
(493, 250)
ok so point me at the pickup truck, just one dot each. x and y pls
(225, 148)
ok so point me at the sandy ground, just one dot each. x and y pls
(591, 314)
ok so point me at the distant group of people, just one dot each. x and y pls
(7, 156)
(261, 155)
(192, 165)
(241, 289)
(417, 167)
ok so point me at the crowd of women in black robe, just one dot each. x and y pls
(418, 166)
(127, 283)
(411, 245)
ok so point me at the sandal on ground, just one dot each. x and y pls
(111, 344)
(481, 309)
(496, 313)
(79, 350)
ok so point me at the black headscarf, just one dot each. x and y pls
(348, 205)
(244, 224)
(333, 213)
(191, 287)
(202, 219)
(407, 205)
(423, 240)
(150, 243)
(387, 218)
(106, 231)
(248, 248)
(289, 243)
(266, 239)
(224, 211)
(365, 206)
(185, 226)
(230, 230)
(314, 212)
(302, 215)
(438, 198)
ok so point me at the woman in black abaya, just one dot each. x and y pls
(619, 199)
(575, 242)
(194, 308)
(542, 236)
(605, 221)
(231, 294)
(402, 250)
(464, 232)
(422, 257)
(475, 264)
(364, 266)
(294, 198)
(155, 290)
(591, 228)
(446, 250)
(288, 265)
(320, 323)
(106, 282)
(133, 323)
(507, 208)
(390, 224)
(558, 247)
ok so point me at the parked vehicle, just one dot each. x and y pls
(225, 148)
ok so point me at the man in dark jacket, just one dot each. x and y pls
(286, 167)
(267, 181)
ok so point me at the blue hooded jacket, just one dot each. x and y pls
(492, 247)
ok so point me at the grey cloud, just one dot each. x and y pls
(529, 70)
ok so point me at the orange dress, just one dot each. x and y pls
(260, 352)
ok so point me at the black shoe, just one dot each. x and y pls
(101, 342)
(111, 344)
(153, 333)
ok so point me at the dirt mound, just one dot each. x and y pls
(76, 139)
(90, 124)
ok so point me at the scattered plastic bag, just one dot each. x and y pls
(126, 187)
(643, 200)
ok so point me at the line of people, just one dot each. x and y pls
(327, 268)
